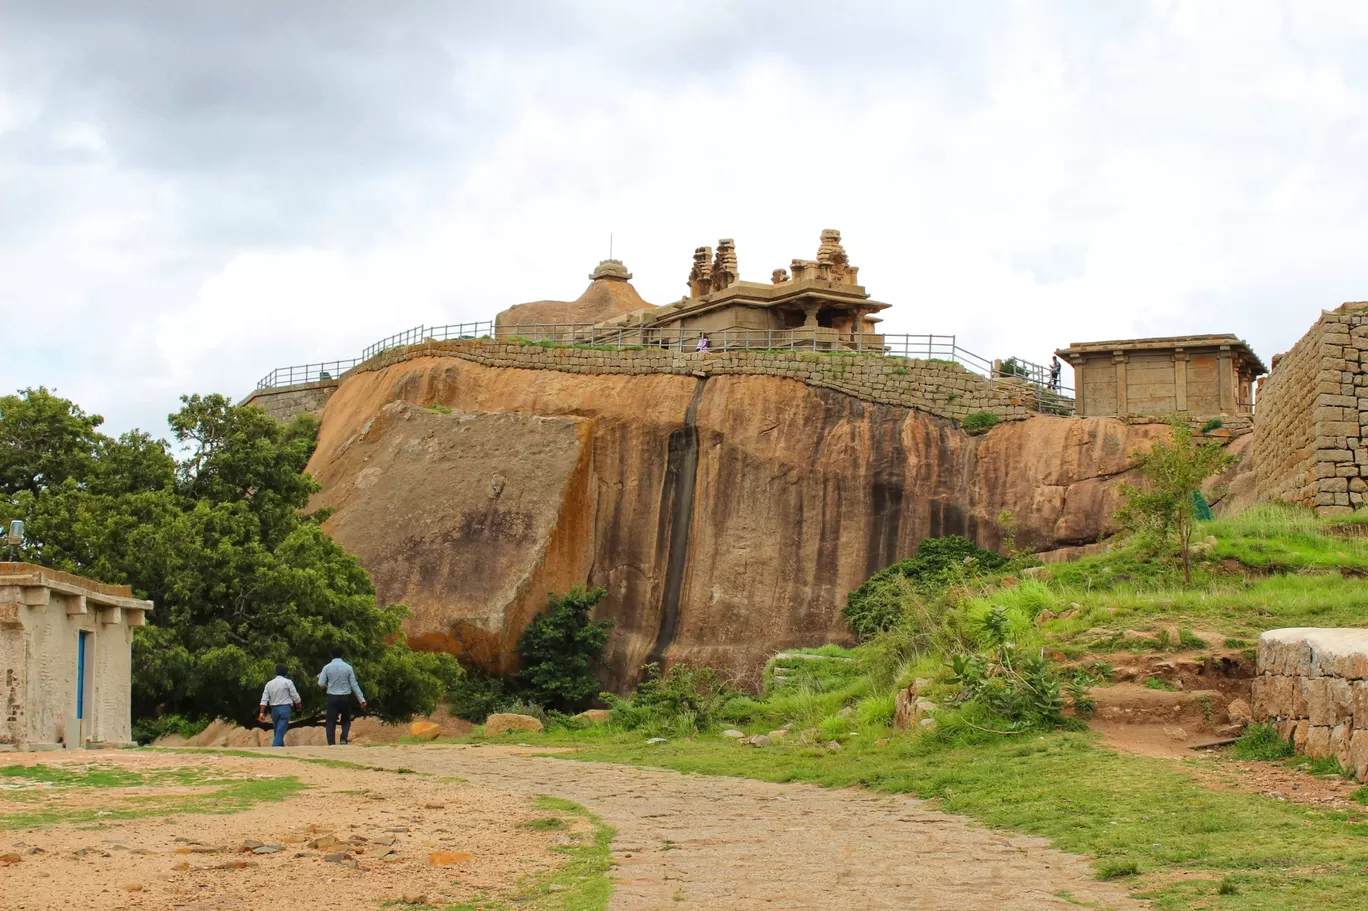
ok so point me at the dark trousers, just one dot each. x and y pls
(338, 705)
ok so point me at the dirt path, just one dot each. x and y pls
(728, 844)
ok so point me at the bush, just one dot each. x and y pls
(562, 651)
(1016, 687)
(876, 711)
(523, 707)
(1010, 367)
(146, 730)
(683, 700)
(888, 596)
(977, 422)
(1261, 742)
(477, 696)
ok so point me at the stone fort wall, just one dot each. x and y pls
(936, 387)
(1309, 437)
(1313, 684)
(284, 403)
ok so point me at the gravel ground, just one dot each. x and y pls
(197, 860)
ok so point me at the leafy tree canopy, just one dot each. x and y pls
(241, 576)
(562, 651)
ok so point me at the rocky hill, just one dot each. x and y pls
(727, 516)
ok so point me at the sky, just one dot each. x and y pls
(193, 193)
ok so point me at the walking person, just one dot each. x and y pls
(277, 699)
(1055, 369)
(339, 682)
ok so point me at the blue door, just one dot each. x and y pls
(81, 673)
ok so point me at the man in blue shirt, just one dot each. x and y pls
(339, 682)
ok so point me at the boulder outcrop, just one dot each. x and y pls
(727, 516)
(609, 295)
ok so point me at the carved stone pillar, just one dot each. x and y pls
(1226, 372)
(1080, 383)
(1119, 361)
(1180, 362)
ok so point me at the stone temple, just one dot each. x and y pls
(816, 304)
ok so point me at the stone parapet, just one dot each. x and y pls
(285, 403)
(935, 387)
(1308, 439)
(1313, 684)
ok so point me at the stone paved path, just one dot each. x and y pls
(737, 845)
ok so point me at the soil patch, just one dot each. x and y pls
(367, 836)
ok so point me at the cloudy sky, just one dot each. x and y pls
(192, 193)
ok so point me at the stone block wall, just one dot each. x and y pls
(285, 403)
(1313, 684)
(1312, 408)
(935, 387)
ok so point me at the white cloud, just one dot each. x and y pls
(1044, 179)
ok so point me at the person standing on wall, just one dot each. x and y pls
(339, 682)
(277, 699)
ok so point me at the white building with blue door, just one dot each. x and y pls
(66, 659)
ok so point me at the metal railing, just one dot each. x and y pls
(419, 334)
(306, 373)
(1048, 398)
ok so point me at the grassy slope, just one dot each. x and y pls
(1269, 568)
(1191, 846)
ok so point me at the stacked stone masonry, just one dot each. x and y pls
(284, 403)
(935, 387)
(1309, 438)
(1313, 684)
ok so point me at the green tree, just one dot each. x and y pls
(241, 576)
(44, 440)
(1174, 470)
(562, 651)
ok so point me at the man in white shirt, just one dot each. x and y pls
(278, 698)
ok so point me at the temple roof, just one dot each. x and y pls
(612, 269)
(1238, 347)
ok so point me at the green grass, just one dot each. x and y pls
(544, 824)
(1261, 742)
(1146, 820)
(25, 793)
(1147, 823)
(1270, 567)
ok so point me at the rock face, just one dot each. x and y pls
(608, 295)
(727, 517)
